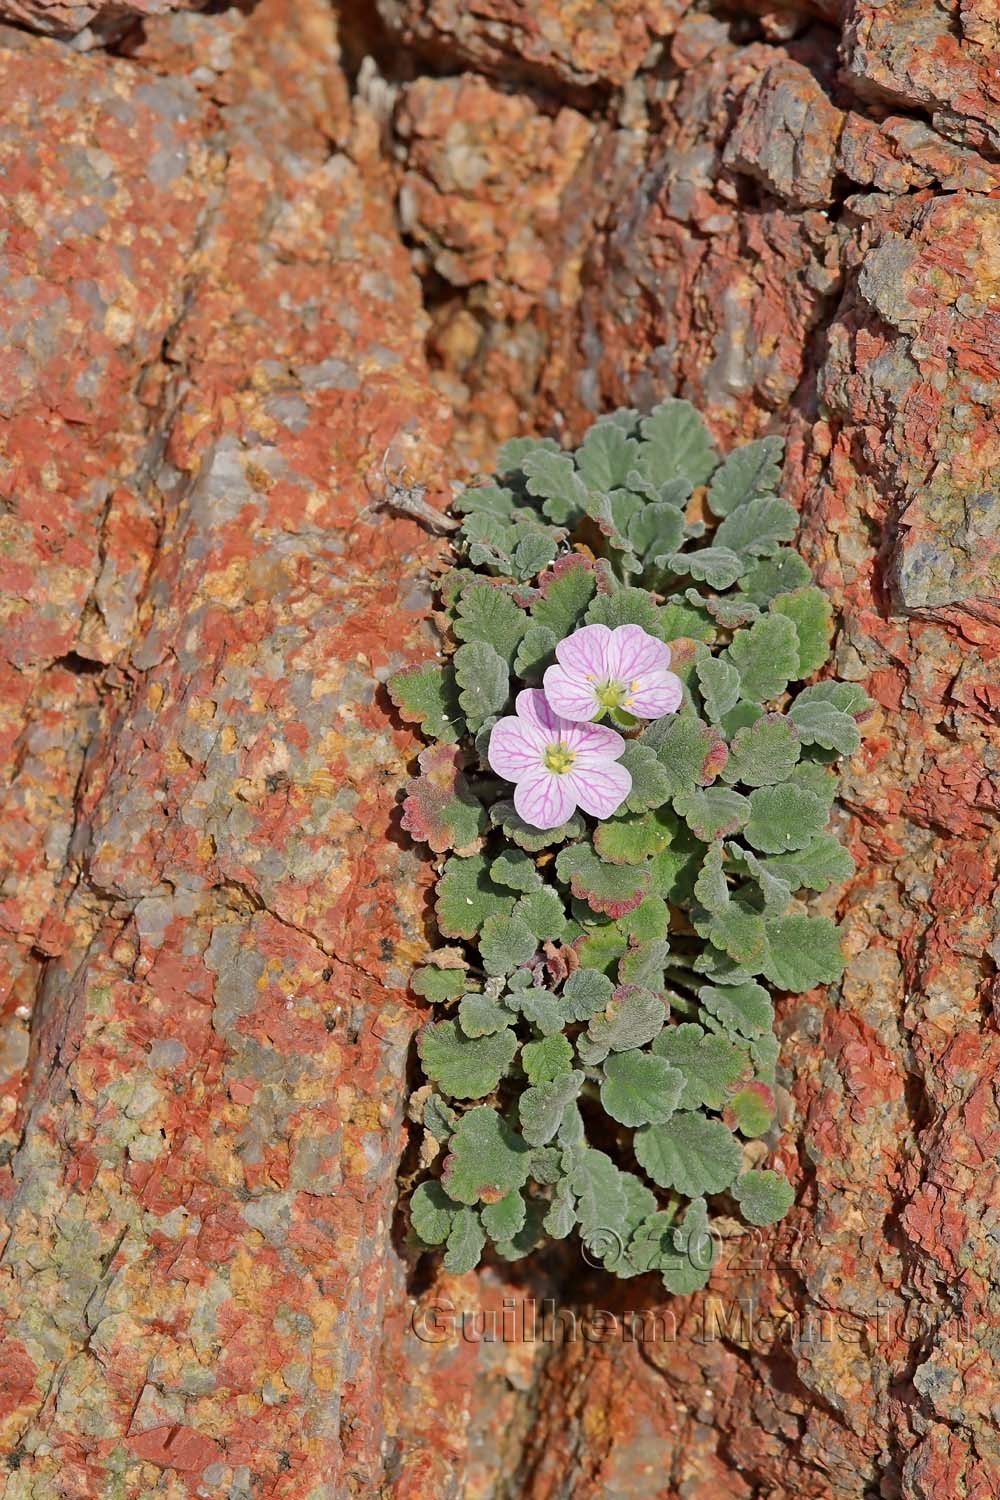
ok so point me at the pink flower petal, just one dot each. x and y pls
(569, 694)
(545, 799)
(593, 743)
(657, 696)
(513, 750)
(599, 790)
(540, 723)
(633, 652)
(585, 652)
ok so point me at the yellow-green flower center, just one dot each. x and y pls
(610, 694)
(558, 758)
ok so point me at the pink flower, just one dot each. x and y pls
(557, 765)
(623, 669)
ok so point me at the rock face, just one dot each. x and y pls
(237, 299)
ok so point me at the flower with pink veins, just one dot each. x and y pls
(622, 671)
(557, 765)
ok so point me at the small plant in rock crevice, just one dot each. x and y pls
(630, 790)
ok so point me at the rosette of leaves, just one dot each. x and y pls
(602, 1057)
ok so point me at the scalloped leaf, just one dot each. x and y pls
(631, 838)
(484, 683)
(515, 870)
(719, 567)
(536, 652)
(766, 656)
(657, 530)
(479, 1015)
(690, 751)
(822, 863)
(747, 474)
(783, 818)
(713, 812)
(675, 445)
(564, 594)
(709, 1064)
(740, 934)
(465, 1067)
(542, 912)
(632, 1017)
(810, 612)
(551, 477)
(466, 1243)
(488, 614)
(691, 1153)
(849, 697)
(506, 943)
(744, 1009)
(651, 782)
(719, 682)
(780, 574)
(751, 1111)
(503, 1220)
(432, 1213)
(467, 897)
(540, 1008)
(640, 1088)
(629, 606)
(487, 1159)
(606, 456)
(503, 815)
(585, 993)
(710, 889)
(440, 809)
(599, 1188)
(804, 952)
(546, 1060)
(438, 985)
(819, 722)
(428, 697)
(542, 1107)
(758, 528)
(614, 889)
(764, 1197)
(764, 752)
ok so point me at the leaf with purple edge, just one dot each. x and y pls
(613, 889)
(440, 809)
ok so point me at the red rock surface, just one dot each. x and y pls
(230, 290)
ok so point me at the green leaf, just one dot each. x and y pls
(439, 1118)
(820, 723)
(505, 944)
(536, 652)
(489, 615)
(719, 682)
(640, 1088)
(440, 809)
(503, 815)
(544, 1061)
(465, 1067)
(675, 445)
(630, 839)
(710, 889)
(740, 717)
(657, 530)
(849, 697)
(606, 456)
(691, 1153)
(528, 1238)
(426, 695)
(535, 550)
(598, 1185)
(730, 610)
(491, 498)
(585, 993)
(690, 751)
(561, 1217)
(719, 567)
(764, 1197)
(764, 753)
(822, 863)
(742, 1008)
(810, 612)
(614, 889)
(758, 528)
(478, 1015)
(437, 985)
(747, 474)
(629, 606)
(777, 893)
(511, 455)
(780, 574)
(600, 948)
(542, 912)
(632, 1017)
(783, 818)
(751, 1111)
(644, 965)
(487, 1159)
(741, 935)
(467, 897)
(514, 869)
(541, 1008)
(564, 595)
(541, 1108)
(676, 869)
(709, 1063)
(432, 1213)
(713, 812)
(466, 1243)
(483, 681)
(685, 619)
(766, 656)
(651, 783)
(503, 1220)
(648, 923)
(804, 952)
(551, 476)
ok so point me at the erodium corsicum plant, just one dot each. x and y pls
(630, 789)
